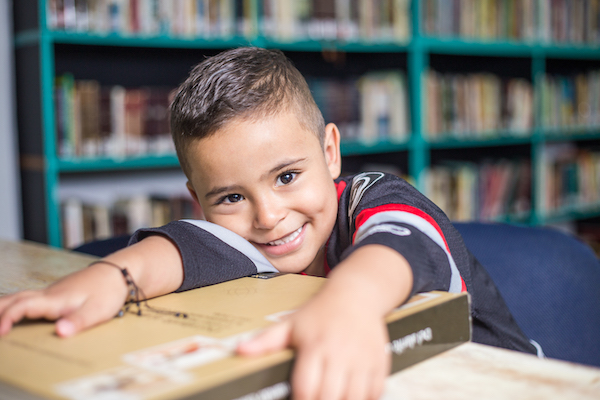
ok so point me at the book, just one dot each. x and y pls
(488, 191)
(158, 355)
(114, 121)
(478, 106)
(384, 107)
(86, 221)
(557, 21)
(571, 101)
(569, 178)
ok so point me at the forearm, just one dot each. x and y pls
(154, 264)
(378, 286)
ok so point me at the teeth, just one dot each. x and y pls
(286, 239)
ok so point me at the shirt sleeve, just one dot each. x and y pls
(210, 253)
(388, 211)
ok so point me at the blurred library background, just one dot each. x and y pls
(491, 108)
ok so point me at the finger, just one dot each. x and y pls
(274, 338)
(27, 305)
(364, 386)
(377, 382)
(306, 375)
(333, 382)
(377, 389)
(6, 301)
(83, 317)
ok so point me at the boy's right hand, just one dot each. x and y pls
(78, 301)
(96, 294)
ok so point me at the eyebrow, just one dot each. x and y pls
(232, 188)
(220, 190)
(283, 165)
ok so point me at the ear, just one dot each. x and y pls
(331, 147)
(192, 191)
(195, 197)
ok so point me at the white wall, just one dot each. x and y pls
(10, 209)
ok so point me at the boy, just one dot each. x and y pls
(265, 170)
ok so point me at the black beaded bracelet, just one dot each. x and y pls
(133, 292)
(135, 295)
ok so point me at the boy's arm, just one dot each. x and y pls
(350, 310)
(96, 294)
(178, 256)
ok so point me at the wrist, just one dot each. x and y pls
(130, 291)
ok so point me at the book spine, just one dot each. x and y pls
(559, 21)
(571, 178)
(571, 101)
(493, 190)
(413, 338)
(85, 221)
(477, 106)
(287, 20)
(95, 121)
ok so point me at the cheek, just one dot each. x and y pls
(319, 201)
(234, 222)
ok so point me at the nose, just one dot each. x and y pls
(268, 211)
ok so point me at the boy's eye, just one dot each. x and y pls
(232, 198)
(286, 178)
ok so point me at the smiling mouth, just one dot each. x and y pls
(286, 239)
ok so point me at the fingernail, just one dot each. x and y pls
(65, 328)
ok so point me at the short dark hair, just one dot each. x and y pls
(246, 82)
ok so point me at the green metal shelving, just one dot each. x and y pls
(418, 147)
(112, 163)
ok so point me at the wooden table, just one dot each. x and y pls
(476, 371)
(469, 371)
(29, 265)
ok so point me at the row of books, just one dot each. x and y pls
(570, 177)
(84, 222)
(93, 120)
(477, 105)
(556, 21)
(186, 18)
(339, 102)
(485, 192)
(570, 101)
(368, 109)
(349, 20)
(114, 121)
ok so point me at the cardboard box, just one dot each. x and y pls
(160, 356)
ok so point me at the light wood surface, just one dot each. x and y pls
(29, 265)
(475, 371)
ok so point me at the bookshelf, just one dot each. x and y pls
(159, 57)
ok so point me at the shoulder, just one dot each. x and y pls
(375, 186)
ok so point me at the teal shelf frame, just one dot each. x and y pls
(353, 148)
(110, 163)
(164, 41)
(418, 147)
(495, 140)
(570, 213)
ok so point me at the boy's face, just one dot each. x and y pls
(271, 182)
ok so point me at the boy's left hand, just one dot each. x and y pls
(340, 335)
(340, 349)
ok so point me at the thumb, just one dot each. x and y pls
(80, 319)
(274, 338)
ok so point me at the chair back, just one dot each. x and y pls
(550, 282)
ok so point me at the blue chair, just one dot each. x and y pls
(550, 282)
(102, 248)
